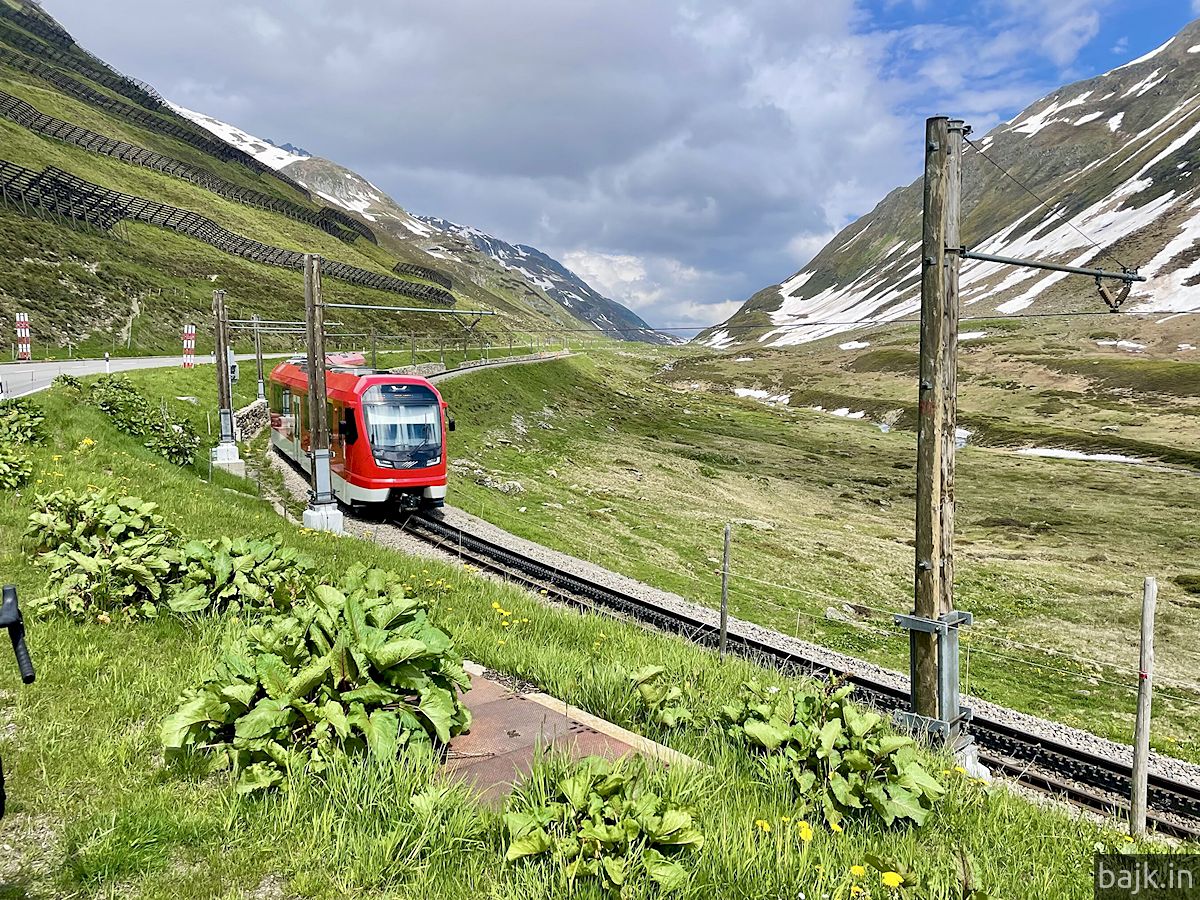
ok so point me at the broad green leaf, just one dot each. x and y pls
(614, 868)
(274, 675)
(437, 705)
(189, 601)
(382, 734)
(830, 732)
(397, 651)
(258, 777)
(646, 673)
(199, 710)
(304, 681)
(266, 715)
(765, 734)
(669, 875)
(530, 844)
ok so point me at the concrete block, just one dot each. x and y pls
(226, 458)
(324, 518)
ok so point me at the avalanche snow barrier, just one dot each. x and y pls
(66, 195)
(403, 268)
(162, 121)
(327, 219)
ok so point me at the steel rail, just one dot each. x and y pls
(1085, 778)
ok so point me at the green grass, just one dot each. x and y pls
(1050, 557)
(94, 812)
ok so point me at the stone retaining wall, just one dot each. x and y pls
(250, 420)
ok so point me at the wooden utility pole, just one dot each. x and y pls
(413, 348)
(949, 373)
(724, 596)
(936, 410)
(258, 361)
(374, 350)
(1141, 733)
(224, 389)
(322, 513)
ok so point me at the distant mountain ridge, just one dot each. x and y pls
(542, 277)
(557, 282)
(1117, 156)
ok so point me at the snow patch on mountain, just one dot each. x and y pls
(554, 279)
(260, 148)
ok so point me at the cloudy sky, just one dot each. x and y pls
(679, 154)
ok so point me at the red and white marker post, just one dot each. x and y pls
(189, 346)
(24, 350)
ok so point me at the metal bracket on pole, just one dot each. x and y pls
(952, 715)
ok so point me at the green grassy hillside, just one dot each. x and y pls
(131, 289)
(95, 811)
(636, 460)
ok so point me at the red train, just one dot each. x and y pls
(387, 433)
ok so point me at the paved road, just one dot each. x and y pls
(20, 379)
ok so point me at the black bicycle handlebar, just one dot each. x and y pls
(10, 618)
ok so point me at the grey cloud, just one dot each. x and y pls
(712, 142)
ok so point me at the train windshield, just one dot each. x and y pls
(402, 417)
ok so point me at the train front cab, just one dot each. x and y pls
(387, 438)
(394, 439)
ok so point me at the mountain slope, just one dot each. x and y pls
(1115, 157)
(94, 277)
(541, 277)
(557, 281)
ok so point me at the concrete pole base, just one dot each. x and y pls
(326, 517)
(225, 457)
(966, 753)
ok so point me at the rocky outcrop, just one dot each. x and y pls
(252, 419)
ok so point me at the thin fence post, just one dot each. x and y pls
(1141, 731)
(724, 596)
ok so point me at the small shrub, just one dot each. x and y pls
(596, 820)
(69, 383)
(662, 700)
(169, 436)
(358, 668)
(819, 741)
(105, 553)
(239, 574)
(20, 422)
(15, 468)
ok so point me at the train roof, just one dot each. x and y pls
(345, 382)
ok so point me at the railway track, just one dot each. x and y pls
(1084, 778)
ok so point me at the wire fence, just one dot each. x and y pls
(77, 200)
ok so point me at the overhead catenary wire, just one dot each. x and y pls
(1054, 212)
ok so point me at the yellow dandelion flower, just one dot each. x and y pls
(960, 770)
(805, 831)
(835, 827)
(501, 643)
(785, 819)
(504, 624)
(763, 825)
(858, 871)
(855, 890)
(495, 605)
(892, 879)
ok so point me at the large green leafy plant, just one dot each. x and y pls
(169, 436)
(828, 748)
(594, 820)
(357, 668)
(105, 553)
(20, 422)
(239, 574)
(15, 468)
(662, 700)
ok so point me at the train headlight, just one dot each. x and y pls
(383, 463)
(434, 461)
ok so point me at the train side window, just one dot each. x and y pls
(348, 426)
(286, 405)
